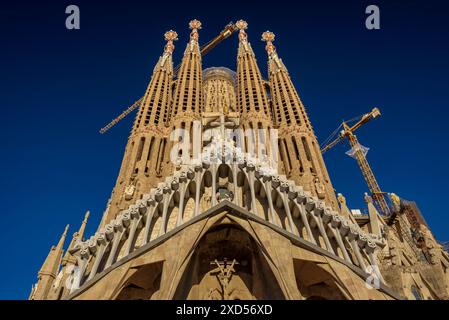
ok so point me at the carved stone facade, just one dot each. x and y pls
(204, 217)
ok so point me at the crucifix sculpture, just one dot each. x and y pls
(220, 142)
(224, 274)
(223, 124)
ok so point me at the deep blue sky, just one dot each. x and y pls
(58, 87)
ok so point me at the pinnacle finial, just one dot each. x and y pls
(268, 37)
(65, 230)
(242, 25)
(170, 36)
(86, 216)
(80, 232)
(63, 236)
(195, 24)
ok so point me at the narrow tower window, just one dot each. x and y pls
(140, 150)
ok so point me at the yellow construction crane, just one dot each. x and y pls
(358, 153)
(400, 207)
(228, 30)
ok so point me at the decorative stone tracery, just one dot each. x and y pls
(272, 198)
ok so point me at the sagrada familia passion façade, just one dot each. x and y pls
(223, 194)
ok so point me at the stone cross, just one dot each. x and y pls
(220, 141)
(226, 270)
(222, 124)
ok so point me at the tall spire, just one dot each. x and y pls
(299, 148)
(49, 269)
(187, 100)
(287, 104)
(51, 264)
(251, 95)
(143, 159)
(83, 225)
(252, 100)
(188, 95)
(77, 236)
(157, 99)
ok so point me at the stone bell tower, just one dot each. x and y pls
(145, 154)
(210, 216)
(299, 149)
(252, 101)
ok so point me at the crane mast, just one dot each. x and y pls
(348, 133)
(376, 193)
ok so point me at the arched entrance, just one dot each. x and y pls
(143, 284)
(314, 282)
(228, 265)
